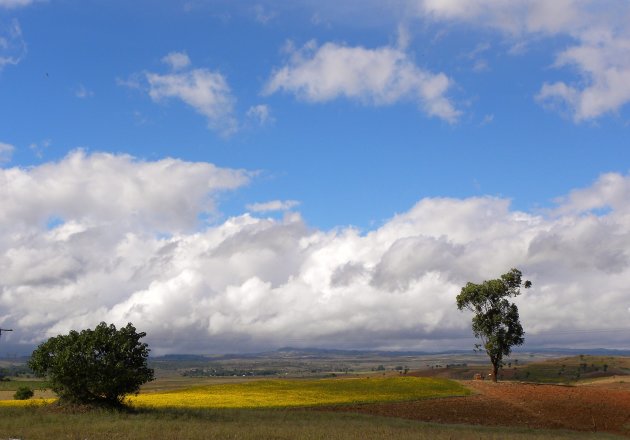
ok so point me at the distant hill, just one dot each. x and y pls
(319, 352)
(310, 352)
(577, 351)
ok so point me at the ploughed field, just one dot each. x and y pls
(601, 407)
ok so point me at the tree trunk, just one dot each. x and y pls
(495, 372)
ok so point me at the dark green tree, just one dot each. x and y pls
(97, 366)
(23, 393)
(495, 321)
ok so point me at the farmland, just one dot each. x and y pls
(315, 397)
(300, 393)
(564, 370)
(580, 408)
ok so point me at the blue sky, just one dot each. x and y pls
(346, 161)
(340, 116)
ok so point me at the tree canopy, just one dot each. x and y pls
(97, 366)
(496, 320)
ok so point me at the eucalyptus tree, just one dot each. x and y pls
(496, 321)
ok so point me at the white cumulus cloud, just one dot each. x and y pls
(604, 62)
(177, 60)
(610, 191)
(599, 48)
(206, 91)
(117, 190)
(379, 76)
(6, 151)
(79, 245)
(274, 205)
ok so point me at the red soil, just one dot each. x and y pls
(581, 408)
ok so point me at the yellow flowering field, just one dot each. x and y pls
(29, 402)
(292, 393)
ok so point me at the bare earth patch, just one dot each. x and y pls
(580, 408)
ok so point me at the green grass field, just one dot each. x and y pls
(14, 384)
(32, 423)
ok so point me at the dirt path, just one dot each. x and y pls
(519, 404)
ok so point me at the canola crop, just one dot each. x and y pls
(296, 393)
(29, 402)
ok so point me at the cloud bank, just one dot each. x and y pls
(100, 237)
